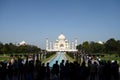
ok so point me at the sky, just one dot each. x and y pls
(33, 21)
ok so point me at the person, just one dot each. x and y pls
(92, 70)
(115, 70)
(100, 70)
(62, 73)
(48, 72)
(108, 70)
(67, 70)
(3, 70)
(55, 71)
(84, 72)
(10, 71)
(43, 71)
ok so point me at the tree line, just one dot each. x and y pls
(110, 46)
(9, 48)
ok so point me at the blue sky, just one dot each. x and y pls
(34, 20)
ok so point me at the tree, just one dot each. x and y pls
(79, 47)
(86, 46)
(118, 46)
(28, 49)
(111, 45)
(1, 48)
(12, 48)
(96, 47)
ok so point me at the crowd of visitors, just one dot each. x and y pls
(16, 69)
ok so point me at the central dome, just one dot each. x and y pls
(61, 36)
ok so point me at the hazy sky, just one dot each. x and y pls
(35, 20)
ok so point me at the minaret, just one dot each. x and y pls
(46, 43)
(72, 45)
(53, 46)
(50, 45)
(75, 43)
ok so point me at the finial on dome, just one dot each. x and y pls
(61, 36)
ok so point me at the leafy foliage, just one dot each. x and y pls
(12, 48)
(110, 46)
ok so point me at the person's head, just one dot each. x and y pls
(48, 64)
(56, 62)
(62, 61)
(95, 62)
(115, 62)
(67, 61)
(109, 62)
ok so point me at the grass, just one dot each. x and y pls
(4, 58)
(15, 54)
(69, 58)
(106, 57)
(111, 57)
(47, 59)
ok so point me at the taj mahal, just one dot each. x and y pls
(61, 44)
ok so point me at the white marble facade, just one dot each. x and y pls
(61, 44)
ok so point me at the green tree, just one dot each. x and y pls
(79, 47)
(28, 49)
(86, 46)
(6, 48)
(111, 45)
(96, 47)
(1, 48)
(118, 46)
(12, 48)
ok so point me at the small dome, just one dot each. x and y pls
(61, 36)
(22, 43)
(100, 42)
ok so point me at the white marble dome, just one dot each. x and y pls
(61, 37)
(22, 43)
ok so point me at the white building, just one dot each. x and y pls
(61, 44)
(23, 43)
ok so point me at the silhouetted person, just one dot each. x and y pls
(100, 71)
(10, 71)
(3, 71)
(84, 73)
(67, 70)
(115, 70)
(0, 70)
(93, 70)
(55, 71)
(20, 67)
(38, 70)
(108, 70)
(43, 72)
(47, 72)
(31, 69)
(62, 71)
